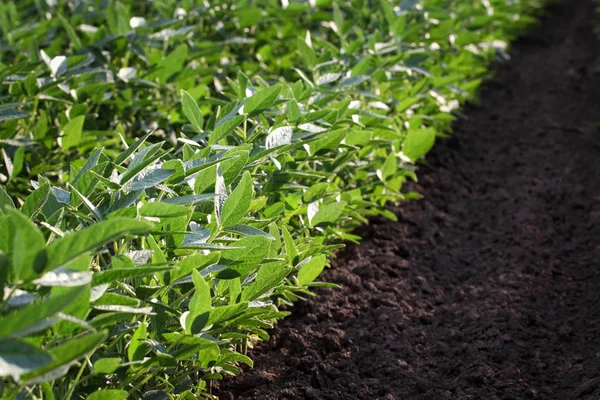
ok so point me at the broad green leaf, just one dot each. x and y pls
(108, 394)
(194, 262)
(230, 169)
(36, 200)
(91, 162)
(329, 213)
(311, 270)
(315, 192)
(248, 230)
(192, 111)
(293, 110)
(18, 357)
(72, 132)
(75, 194)
(216, 315)
(18, 162)
(163, 210)
(65, 354)
(200, 303)
(330, 141)
(136, 350)
(28, 317)
(390, 166)
(131, 149)
(269, 276)
(142, 161)
(223, 313)
(118, 274)
(74, 39)
(201, 300)
(237, 357)
(290, 247)
(238, 202)
(195, 198)
(26, 245)
(5, 201)
(208, 355)
(307, 53)
(418, 142)
(158, 256)
(148, 179)
(224, 128)
(262, 100)
(71, 246)
(107, 365)
(242, 261)
(12, 113)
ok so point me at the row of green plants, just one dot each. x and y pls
(174, 172)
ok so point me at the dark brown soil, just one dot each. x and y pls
(489, 288)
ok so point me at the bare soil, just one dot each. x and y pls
(489, 287)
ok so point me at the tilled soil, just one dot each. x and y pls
(489, 287)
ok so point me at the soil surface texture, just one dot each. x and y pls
(488, 287)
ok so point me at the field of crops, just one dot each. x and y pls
(174, 172)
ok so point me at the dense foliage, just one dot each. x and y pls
(175, 171)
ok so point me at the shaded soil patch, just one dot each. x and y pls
(489, 287)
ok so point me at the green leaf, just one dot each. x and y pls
(117, 274)
(230, 168)
(269, 276)
(241, 261)
(64, 355)
(137, 349)
(237, 204)
(131, 149)
(201, 300)
(75, 41)
(71, 246)
(418, 142)
(262, 100)
(199, 303)
(163, 210)
(329, 213)
(91, 162)
(108, 394)
(390, 166)
(148, 179)
(307, 53)
(18, 161)
(18, 357)
(72, 132)
(5, 201)
(223, 313)
(315, 192)
(195, 198)
(192, 111)
(290, 246)
(142, 161)
(11, 113)
(311, 270)
(330, 141)
(248, 230)
(194, 262)
(28, 317)
(223, 128)
(107, 365)
(36, 200)
(26, 245)
(75, 194)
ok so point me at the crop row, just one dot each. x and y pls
(174, 172)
